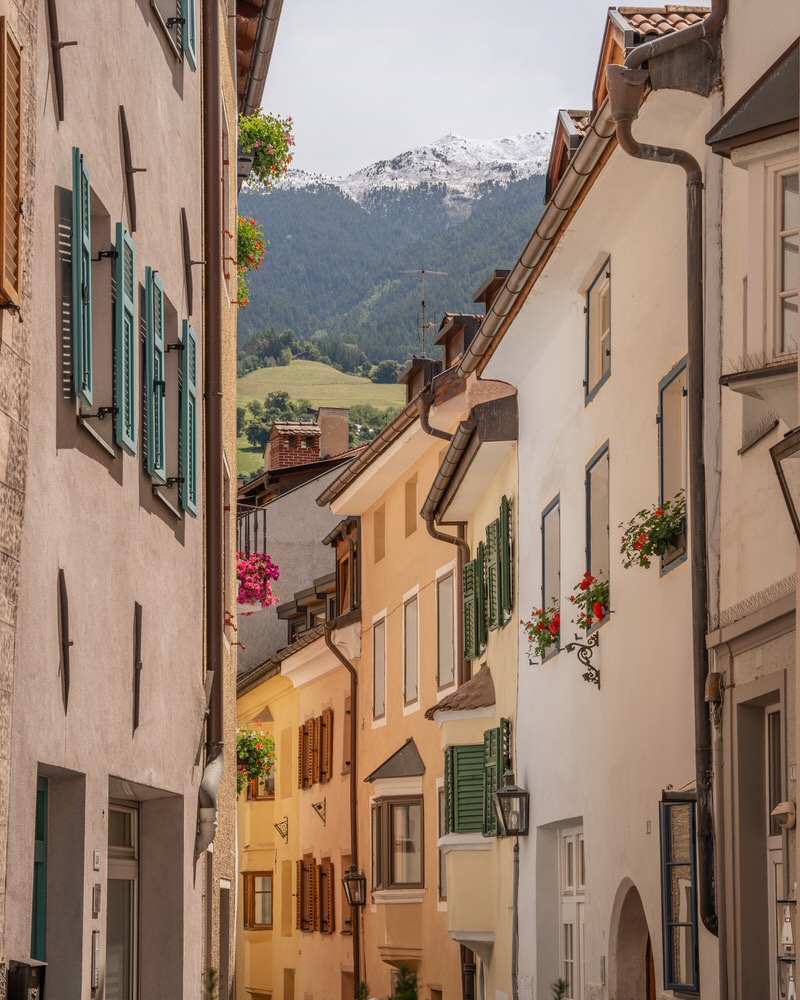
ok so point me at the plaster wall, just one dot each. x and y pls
(601, 758)
(91, 510)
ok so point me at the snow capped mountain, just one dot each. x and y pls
(462, 165)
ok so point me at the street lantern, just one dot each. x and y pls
(511, 805)
(786, 458)
(355, 886)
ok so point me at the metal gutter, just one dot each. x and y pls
(262, 55)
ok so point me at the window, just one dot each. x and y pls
(572, 881)
(442, 801)
(39, 901)
(598, 330)
(464, 792)
(410, 652)
(178, 21)
(498, 567)
(397, 843)
(673, 425)
(787, 271)
(11, 166)
(496, 761)
(81, 280)
(679, 894)
(257, 901)
(379, 669)
(412, 507)
(597, 514)
(155, 385)
(379, 532)
(314, 895)
(326, 884)
(445, 632)
(262, 788)
(122, 902)
(125, 341)
(187, 442)
(473, 599)
(551, 555)
(347, 909)
(315, 750)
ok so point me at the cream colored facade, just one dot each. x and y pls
(305, 948)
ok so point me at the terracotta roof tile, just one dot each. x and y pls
(478, 692)
(580, 119)
(662, 20)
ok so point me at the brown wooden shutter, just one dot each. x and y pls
(328, 924)
(301, 764)
(348, 722)
(10, 164)
(326, 742)
(299, 893)
(316, 916)
(315, 726)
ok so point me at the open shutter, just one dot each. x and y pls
(467, 788)
(81, 279)
(506, 566)
(188, 439)
(449, 791)
(326, 744)
(298, 893)
(480, 599)
(326, 873)
(315, 727)
(125, 342)
(11, 166)
(316, 915)
(469, 616)
(155, 386)
(302, 756)
(189, 33)
(493, 573)
(496, 761)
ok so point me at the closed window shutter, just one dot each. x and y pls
(467, 784)
(449, 791)
(327, 880)
(480, 598)
(493, 573)
(11, 166)
(154, 374)
(125, 342)
(301, 756)
(316, 915)
(188, 438)
(315, 726)
(189, 33)
(298, 885)
(506, 565)
(326, 741)
(469, 616)
(81, 279)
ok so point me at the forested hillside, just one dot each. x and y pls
(335, 266)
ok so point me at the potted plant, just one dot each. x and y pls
(250, 247)
(255, 572)
(255, 755)
(654, 531)
(270, 140)
(543, 630)
(591, 597)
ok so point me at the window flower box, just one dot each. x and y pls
(591, 598)
(543, 630)
(655, 532)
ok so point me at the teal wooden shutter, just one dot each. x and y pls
(469, 616)
(480, 598)
(496, 761)
(506, 565)
(154, 375)
(81, 279)
(493, 573)
(125, 343)
(39, 900)
(188, 439)
(189, 32)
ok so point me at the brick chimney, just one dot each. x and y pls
(292, 443)
(334, 422)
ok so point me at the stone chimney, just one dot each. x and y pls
(334, 423)
(292, 443)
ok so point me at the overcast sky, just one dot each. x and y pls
(365, 80)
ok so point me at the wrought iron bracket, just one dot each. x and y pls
(172, 21)
(13, 307)
(320, 809)
(110, 254)
(283, 828)
(100, 413)
(585, 651)
(177, 346)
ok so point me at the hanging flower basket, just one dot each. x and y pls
(255, 572)
(270, 140)
(250, 247)
(591, 598)
(654, 531)
(255, 756)
(543, 630)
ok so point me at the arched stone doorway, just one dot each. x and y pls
(631, 966)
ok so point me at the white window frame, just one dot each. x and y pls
(441, 574)
(123, 865)
(571, 908)
(411, 705)
(598, 335)
(380, 619)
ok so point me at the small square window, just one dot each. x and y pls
(258, 900)
(598, 330)
(397, 844)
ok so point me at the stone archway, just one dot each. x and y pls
(630, 959)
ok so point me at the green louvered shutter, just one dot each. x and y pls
(81, 279)
(154, 374)
(467, 793)
(493, 574)
(188, 439)
(496, 760)
(125, 343)
(468, 604)
(506, 565)
(480, 598)
(449, 790)
(189, 32)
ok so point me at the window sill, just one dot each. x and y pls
(473, 841)
(97, 437)
(157, 492)
(392, 896)
(675, 558)
(591, 393)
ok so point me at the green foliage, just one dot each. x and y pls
(386, 371)
(405, 984)
(653, 531)
(241, 414)
(592, 599)
(277, 406)
(255, 756)
(270, 140)
(366, 421)
(362, 993)
(250, 247)
(559, 989)
(210, 984)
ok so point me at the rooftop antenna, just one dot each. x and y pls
(424, 325)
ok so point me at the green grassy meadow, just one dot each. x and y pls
(320, 384)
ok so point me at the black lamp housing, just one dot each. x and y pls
(511, 803)
(355, 886)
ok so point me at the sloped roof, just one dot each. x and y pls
(579, 119)
(662, 20)
(478, 692)
(403, 763)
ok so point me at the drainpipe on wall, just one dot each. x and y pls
(212, 426)
(423, 407)
(626, 88)
(327, 632)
